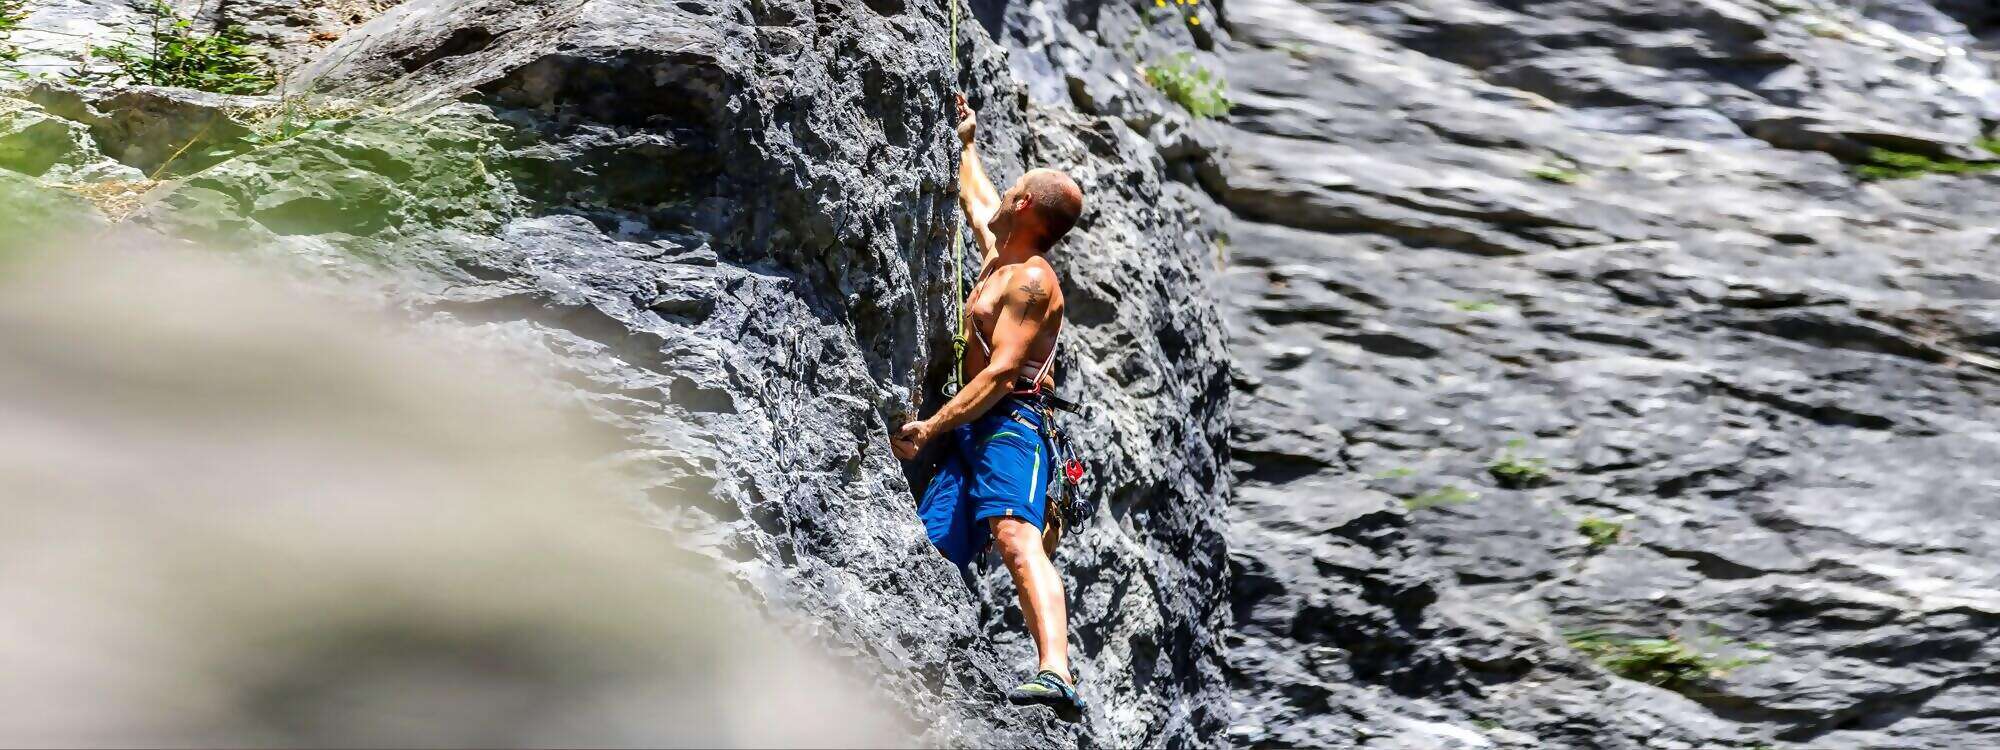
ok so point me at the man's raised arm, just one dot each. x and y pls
(975, 191)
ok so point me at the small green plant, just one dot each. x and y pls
(1884, 164)
(173, 54)
(1449, 494)
(1556, 174)
(1474, 305)
(1602, 532)
(1190, 85)
(1672, 662)
(1516, 471)
(1486, 725)
(11, 15)
(283, 126)
(1397, 473)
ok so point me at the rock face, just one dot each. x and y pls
(1479, 336)
(729, 222)
(1611, 242)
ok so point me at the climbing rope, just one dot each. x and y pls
(957, 240)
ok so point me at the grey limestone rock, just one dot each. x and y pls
(1477, 329)
(729, 222)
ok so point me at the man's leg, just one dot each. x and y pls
(946, 514)
(1040, 589)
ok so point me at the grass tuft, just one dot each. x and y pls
(1602, 532)
(1188, 84)
(116, 198)
(1884, 164)
(1449, 494)
(295, 115)
(1671, 662)
(1516, 471)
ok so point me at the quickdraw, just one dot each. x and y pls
(1067, 496)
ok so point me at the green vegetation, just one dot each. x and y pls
(283, 125)
(1602, 532)
(1885, 164)
(1516, 471)
(1190, 85)
(1449, 494)
(11, 15)
(296, 115)
(1397, 473)
(1474, 305)
(174, 54)
(1556, 174)
(1671, 662)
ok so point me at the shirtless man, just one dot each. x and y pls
(996, 471)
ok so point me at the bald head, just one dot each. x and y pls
(1056, 202)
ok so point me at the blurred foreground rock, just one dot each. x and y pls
(242, 514)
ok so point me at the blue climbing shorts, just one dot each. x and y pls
(996, 466)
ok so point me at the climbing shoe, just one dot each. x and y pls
(1049, 689)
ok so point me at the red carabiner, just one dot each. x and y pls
(1073, 470)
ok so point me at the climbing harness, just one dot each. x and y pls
(1067, 502)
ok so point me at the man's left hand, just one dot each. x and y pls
(910, 439)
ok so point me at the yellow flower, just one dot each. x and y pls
(1194, 21)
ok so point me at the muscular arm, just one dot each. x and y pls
(1023, 312)
(975, 190)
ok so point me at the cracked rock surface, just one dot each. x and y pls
(1478, 335)
(1773, 379)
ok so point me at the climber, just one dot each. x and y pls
(996, 470)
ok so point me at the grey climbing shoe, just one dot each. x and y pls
(1048, 689)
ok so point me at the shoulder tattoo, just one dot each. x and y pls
(1037, 294)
